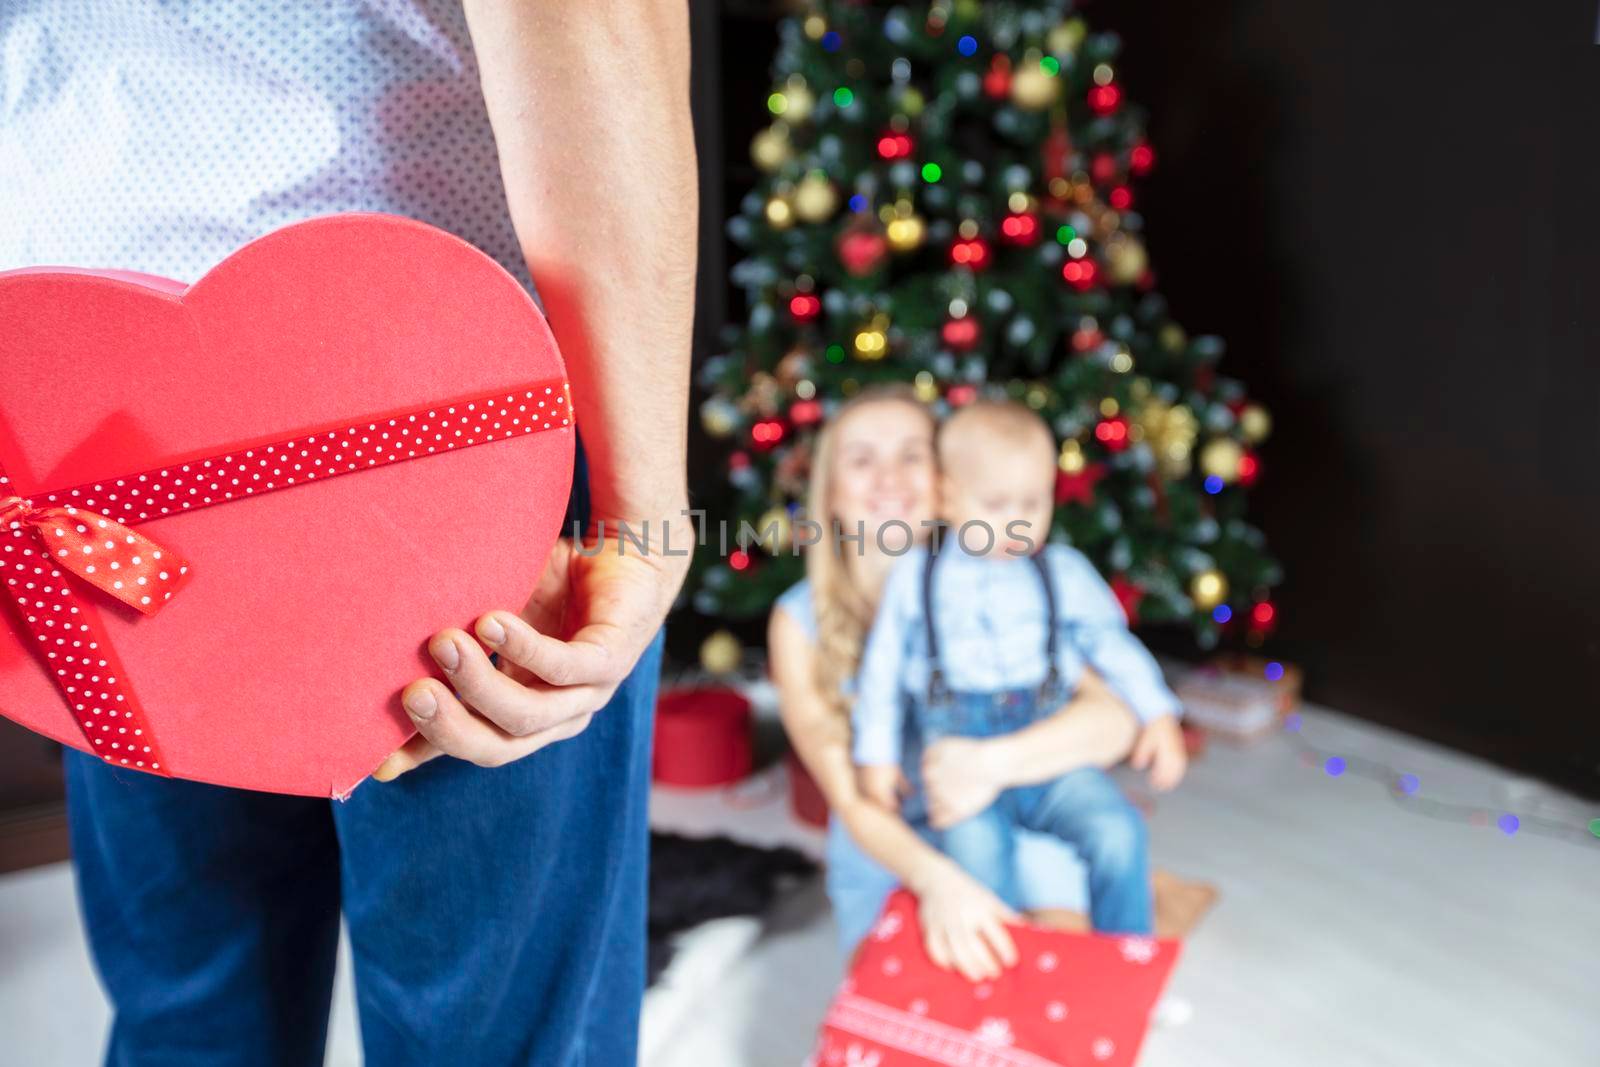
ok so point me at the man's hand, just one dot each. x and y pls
(561, 659)
(1161, 749)
(882, 784)
(959, 779)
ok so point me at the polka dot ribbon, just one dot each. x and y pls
(54, 544)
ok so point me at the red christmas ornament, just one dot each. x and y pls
(1249, 469)
(1103, 168)
(1128, 595)
(739, 559)
(1057, 152)
(1079, 488)
(766, 434)
(895, 145)
(1081, 274)
(1263, 618)
(997, 82)
(970, 252)
(1112, 432)
(805, 412)
(961, 394)
(1104, 99)
(738, 461)
(862, 251)
(805, 306)
(1085, 340)
(1141, 159)
(1121, 198)
(1020, 229)
(961, 335)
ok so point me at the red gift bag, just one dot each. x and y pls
(1072, 999)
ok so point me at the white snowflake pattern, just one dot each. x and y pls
(918, 1007)
(1138, 949)
(1048, 961)
(1103, 1048)
(1055, 1011)
(887, 927)
(994, 1031)
(856, 1056)
(892, 966)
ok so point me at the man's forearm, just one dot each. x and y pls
(590, 108)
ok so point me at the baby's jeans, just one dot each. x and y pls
(1084, 808)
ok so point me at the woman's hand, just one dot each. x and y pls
(963, 924)
(960, 778)
(547, 686)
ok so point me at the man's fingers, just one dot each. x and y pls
(594, 656)
(519, 710)
(980, 962)
(449, 726)
(408, 757)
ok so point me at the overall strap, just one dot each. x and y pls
(1052, 678)
(937, 691)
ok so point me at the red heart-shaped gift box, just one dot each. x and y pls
(306, 609)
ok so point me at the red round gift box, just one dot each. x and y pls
(702, 737)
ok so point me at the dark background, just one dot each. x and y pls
(1386, 210)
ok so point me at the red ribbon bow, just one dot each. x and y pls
(101, 551)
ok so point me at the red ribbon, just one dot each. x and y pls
(53, 544)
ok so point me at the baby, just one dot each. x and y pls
(989, 633)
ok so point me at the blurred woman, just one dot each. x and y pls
(872, 492)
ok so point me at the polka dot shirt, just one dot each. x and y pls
(161, 135)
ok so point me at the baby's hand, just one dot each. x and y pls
(882, 785)
(1160, 748)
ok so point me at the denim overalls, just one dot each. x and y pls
(1082, 807)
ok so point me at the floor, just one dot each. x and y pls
(1350, 930)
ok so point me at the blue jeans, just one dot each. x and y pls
(1083, 808)
(496, 917)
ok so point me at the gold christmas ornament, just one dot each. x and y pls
(815, 198)
(1032, 89)
(1220, 459)
(815, 27)
(718, 417)
(1170, 431)
(1125, 258)
(770, 149)
(905, 233)
(1208, 588)
(872, 340)
(1065, 38)
(1172, 337)
(793, 366)
(720, 653)
(1255, 423)
(911, 101)
(1072, 461)
(799, 100)
(780, 215)
(774, 530)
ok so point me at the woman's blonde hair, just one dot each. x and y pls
(843, 612)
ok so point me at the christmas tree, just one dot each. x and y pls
(947, 199)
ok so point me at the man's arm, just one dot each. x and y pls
(590, 108)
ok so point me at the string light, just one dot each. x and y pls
(1405, 789)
